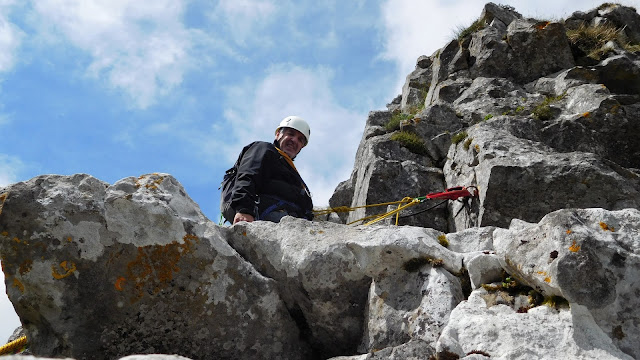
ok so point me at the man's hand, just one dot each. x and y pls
(242, 217)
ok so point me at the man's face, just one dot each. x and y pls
(291, 141)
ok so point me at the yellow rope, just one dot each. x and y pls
(14, 346)
(407, 201)
(348, 209)
(396, 211)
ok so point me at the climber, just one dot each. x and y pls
(264, 184)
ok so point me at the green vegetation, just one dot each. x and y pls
(442, 239)
(543, 110)
(467, 143)
(462, 32)
(487, 117)
(592, 40)
(457, 137)
(411, 141)
(394, 123)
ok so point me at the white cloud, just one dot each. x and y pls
(416, 27)
(255, 110)
(10, 38)
(10, 168)
(10, 320)
(141, 48)
(244, 18)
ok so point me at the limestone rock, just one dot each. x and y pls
(541, 333)
(518, 178)
(100, 271)
(587, 256)
(324, 271)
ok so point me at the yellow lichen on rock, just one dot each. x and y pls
(574, 247)
(68, 267)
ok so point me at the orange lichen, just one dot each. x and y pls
(16, 240)
(547, 279)
(25, 267)
(541, 25)
(569, 232)
(155, 265)
(119, 282)
(18, 284)
(68, 268)
(244, 233)
(574, 247)
(4, 233)
(586, 114)
(542, 273)
(606, 227)
(69, 239)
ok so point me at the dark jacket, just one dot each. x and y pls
(265, 181)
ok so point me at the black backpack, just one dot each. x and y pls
(228, 182)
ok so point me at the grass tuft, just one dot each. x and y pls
(592, 39)
(411, 141)
(457, 137)
(394, 123)
(463, 32)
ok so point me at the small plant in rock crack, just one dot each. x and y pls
(462, 32)
(459, 136)
(543, 110)
(394, 123)
(411, 141)
(467, 143)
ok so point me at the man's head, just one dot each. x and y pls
(292, 135)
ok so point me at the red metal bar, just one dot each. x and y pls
(454, 193)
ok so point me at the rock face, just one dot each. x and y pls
(542, 263)
(99, 271)
(534, 132)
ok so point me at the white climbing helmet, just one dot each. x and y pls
(297, 123)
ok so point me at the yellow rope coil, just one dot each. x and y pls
(14, 347)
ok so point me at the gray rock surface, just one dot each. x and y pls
(100, 271)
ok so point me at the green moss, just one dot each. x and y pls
(459, 136)
(442, 239)
(543, 110)
(555, 301)
(489, 116)
(411, 141)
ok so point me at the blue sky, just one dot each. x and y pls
(118, 88)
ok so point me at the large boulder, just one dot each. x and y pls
(324, 273)
(99, 271)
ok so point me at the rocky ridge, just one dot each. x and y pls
(542, 264)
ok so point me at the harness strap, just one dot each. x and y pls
(277, 205)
